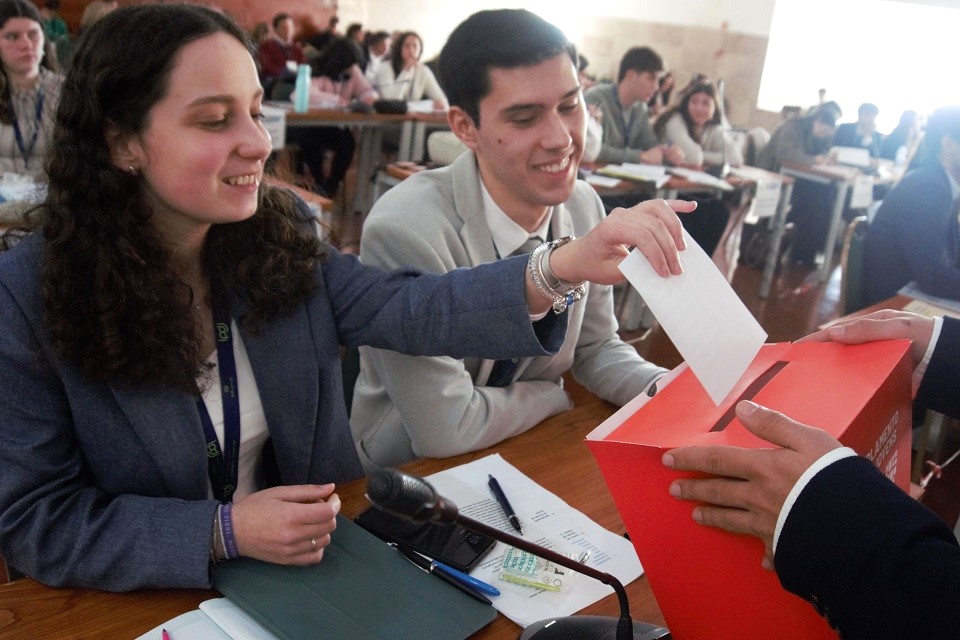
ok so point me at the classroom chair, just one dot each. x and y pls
(853, 290)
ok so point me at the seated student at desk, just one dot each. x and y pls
(171, 329)
(805, 140)
(515, 103)
(627, 131)
(279, 54)
(915, 235)
(862, 133)
(695, 125)
(873, 561)
(337, 82)
(29, 92)
(401, 75)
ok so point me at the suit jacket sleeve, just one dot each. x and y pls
(875, 562)
(928, 232)
(938, 389)
(458, 416)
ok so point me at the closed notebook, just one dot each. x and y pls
(362, 589)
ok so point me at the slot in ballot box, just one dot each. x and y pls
(709, 583)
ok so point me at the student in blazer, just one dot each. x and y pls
(170, 314)
(518, 179)
(873, 561)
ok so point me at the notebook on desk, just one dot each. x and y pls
(362, 589)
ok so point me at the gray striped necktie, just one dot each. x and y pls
(502, 373)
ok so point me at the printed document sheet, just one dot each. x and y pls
(546, 520)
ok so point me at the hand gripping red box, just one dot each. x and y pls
(709, 583)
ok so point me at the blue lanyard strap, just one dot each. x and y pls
(223, 463)
(27, 151)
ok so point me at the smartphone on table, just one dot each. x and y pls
(451, 544)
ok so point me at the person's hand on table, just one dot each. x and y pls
(749, 486)
(653, 155)
(674, 154)
(880, 325)
(286, 524)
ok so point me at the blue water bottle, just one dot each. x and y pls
(302, 88)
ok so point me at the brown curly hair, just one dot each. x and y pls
(116, 305)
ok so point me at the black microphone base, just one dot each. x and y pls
(589, 628)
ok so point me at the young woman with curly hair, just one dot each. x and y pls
(170, 385)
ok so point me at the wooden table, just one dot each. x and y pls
(29, 610)
(842, 178)
(370, 126)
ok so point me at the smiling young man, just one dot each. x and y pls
(516, 104)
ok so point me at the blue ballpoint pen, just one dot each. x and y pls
(479, 585)
(501, 498)
(430, 567)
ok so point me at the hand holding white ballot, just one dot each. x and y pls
(711, 328)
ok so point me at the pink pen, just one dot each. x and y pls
(164, 635)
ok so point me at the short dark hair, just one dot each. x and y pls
(353, 29)
(826, 113)
(499, 38)
(374, 38)
(336, 60)
(868, 109)
(640, 59)
(280, 17)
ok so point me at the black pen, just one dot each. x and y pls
(504, 503)
(429, 567)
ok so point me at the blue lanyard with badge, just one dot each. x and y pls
(223, 463)
(27, 151)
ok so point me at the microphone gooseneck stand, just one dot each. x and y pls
(415, 499)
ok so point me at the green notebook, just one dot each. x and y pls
(361, 590)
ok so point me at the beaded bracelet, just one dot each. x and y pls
(561, 292)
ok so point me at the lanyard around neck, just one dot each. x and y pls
(223, 463)
(27, 150)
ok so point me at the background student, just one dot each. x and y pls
(29, 91)
(517, 107)
(402, 76)
(627, 131)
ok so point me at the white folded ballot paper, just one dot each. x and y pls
(711, 328)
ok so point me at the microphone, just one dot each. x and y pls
(415, 499)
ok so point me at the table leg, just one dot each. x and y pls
(778, 221)
(371, 142)
(835, 220)
(405, 152)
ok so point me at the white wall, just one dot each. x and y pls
(435, 19)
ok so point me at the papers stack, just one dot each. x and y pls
(638, 172)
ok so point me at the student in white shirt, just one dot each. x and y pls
(403, 77)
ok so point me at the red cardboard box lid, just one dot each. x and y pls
(821, 384)
(709, 583)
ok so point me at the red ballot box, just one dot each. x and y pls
(709, 583)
